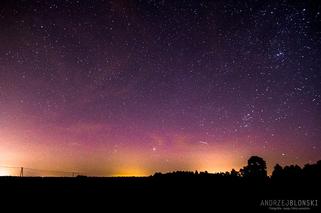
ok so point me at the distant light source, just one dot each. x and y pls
(4, 172)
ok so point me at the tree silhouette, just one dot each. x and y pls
(292, 171)
(277, 172)
(256, 168)
(312, 171)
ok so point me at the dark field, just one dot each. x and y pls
(181, 191)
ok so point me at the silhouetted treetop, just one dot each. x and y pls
(277, 172)
(255, 169)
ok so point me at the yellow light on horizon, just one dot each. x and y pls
(4, 172)
(133, 172)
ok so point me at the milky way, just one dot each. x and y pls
(135, 87)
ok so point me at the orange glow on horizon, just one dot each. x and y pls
(4, 172)
(131, 173)
(162, 153)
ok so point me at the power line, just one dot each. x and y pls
(51, 171)
(10, 167)
(22, 169)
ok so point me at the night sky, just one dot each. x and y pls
(135, 87)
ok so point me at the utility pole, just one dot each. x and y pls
(21, 172)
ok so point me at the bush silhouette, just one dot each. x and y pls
(234, 173)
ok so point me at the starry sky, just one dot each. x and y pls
(134, 87)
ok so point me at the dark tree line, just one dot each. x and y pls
(312, 171)
(256, 169)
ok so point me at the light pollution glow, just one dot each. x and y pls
(27, 145)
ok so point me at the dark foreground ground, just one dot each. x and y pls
(182, 193)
